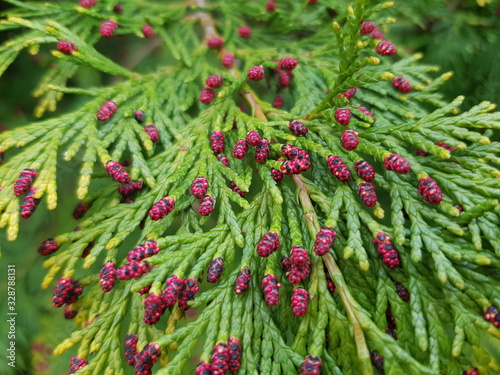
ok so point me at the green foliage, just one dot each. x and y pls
(461, 36)
(449, 260)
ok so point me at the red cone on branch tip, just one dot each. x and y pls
(446, 146)
(285, 79)
(187, 291)
(206, 206)
(382, 238)
(349, 139)
(147, 31)
(343, 116)
(215, 43)
(66, 47)
(237, 190)
(117, 172)
(154, 308)
(80, 210)
(66, 291)
(242, 281)
(130, 187)
(256, 73)
(262, 150)
(290, 151)
(108, 28)
(338, 168)
(349, 94)
(234, 354)
(402, 292)
(245, 32)
(152, 131)
(76, 363)
(142, 251)
(287, 63)
(227, 60)
(107, 276)
(366, 112)
(253, 138)
(207, 95)
(133, 270)
(311, 366)
(492, 314)
(204, 368)
(269, 243)
(290, 167)
(300, 300)
(69, 313)
(145, 360)
(391, 320)
(297, 127)
(144, 290)
(29, 204)
(24, 181)
(220, 358)
(299, 256)
(386, 250)
(87, 249)
(172, 289)
(240, 149)
(324, 240)
(131, 348)
(397, 163)
(271, 6)
(329, 282)
(402, 85)
(299, 160)
(214, 81)
(473, 370)
(367, 28)
(276, 174)
(199, 187)
(217, 139)
(88, 3)
(215, 268)
(48, 247)
(430, 190)
(278, 102)
(224, 160)
(161, 208)
(118, 8)
(366, 192)
(385, 48)
(107, 110)
(300, 266)
(422, 153)
(270, 288)
(139, 116)
(364, 170)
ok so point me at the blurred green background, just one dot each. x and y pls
(459, 36)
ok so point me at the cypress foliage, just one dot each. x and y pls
(229, 158)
